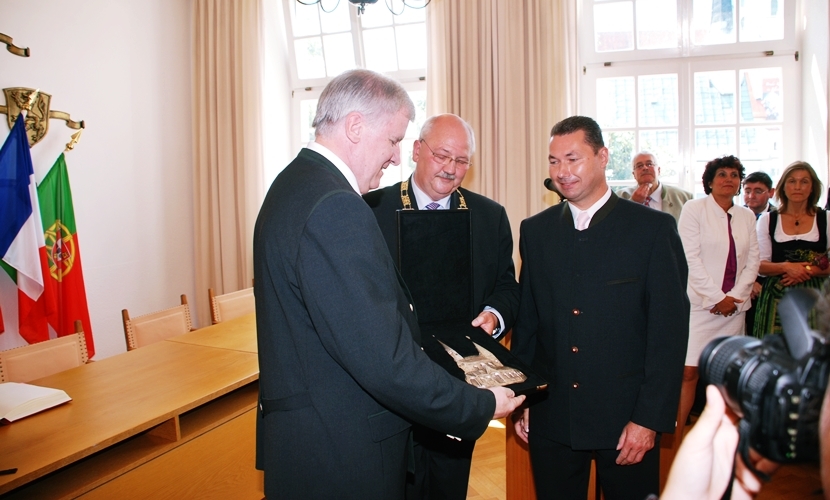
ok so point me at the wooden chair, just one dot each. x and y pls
(153, 327)
(27, 363)
(230, 305)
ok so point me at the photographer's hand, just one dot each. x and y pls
(635, 441)
(746, 484)
(703, 465)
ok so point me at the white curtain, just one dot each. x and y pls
(227, 143)
(508, 67)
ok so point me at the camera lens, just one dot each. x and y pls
(719, 354)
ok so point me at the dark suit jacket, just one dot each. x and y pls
(605, 319)
(341, 373)
(494, 276)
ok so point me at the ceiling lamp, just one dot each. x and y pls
(361, 5)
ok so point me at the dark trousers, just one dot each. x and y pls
(561, 472)
(442, 467)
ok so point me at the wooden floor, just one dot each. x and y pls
(487, 477)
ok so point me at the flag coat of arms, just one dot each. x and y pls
(22, 246)
(63, 253)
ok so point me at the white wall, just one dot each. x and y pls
(814, 59)
(124, 68)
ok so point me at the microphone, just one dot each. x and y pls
(552, 187)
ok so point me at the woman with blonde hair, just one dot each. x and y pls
(793, 243)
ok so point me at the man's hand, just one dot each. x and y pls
(641, 193)
(635, 441)
(756, 290)
(522, 425)
(506, 401)
(487, 321)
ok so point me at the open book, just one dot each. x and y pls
(21, 400)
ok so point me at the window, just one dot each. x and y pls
(691, 80)
(330, 37)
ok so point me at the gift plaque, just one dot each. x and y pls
(435, 257)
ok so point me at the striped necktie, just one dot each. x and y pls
(432, 206)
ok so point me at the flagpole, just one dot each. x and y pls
(73, 141)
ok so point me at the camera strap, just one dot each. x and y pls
(743, 447)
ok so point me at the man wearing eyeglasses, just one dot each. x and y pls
(342, 374)
(442, 154)
(650, 191)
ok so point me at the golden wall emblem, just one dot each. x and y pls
(38, 113)
(37, 119)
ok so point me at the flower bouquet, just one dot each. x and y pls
(819, 259)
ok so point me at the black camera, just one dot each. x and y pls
(776, 385)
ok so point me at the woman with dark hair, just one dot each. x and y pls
(793, 244)
(722, 253)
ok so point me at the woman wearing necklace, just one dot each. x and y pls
(793, 244)
(722, 253)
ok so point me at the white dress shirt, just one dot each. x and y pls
(765, 243)
(592, 210)
(656, 198)
(340, 164)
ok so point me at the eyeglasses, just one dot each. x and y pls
(445, 160)
(648, 164)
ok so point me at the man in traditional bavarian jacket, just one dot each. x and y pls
(604, 318)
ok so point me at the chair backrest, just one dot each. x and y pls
(230, 305)
(153, 327)
(27, 363)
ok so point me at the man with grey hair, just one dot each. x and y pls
(649, 191)
(341, 372)
(442, 155)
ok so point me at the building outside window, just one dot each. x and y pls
(692, 80)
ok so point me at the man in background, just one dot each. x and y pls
(649, 191)
(341, 372)
(443, 155)
(604, 317)
(757, 192)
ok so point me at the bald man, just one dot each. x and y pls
(443, 155)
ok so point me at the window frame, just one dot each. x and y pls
(684, 48)
(685, 62)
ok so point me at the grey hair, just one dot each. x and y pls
(426, 128)
(367, 92)
(641, 153)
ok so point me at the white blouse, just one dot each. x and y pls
(765, 242)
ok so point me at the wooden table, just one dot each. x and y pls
(238, 334)
(129, 409)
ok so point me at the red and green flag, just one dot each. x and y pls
(64, 254)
